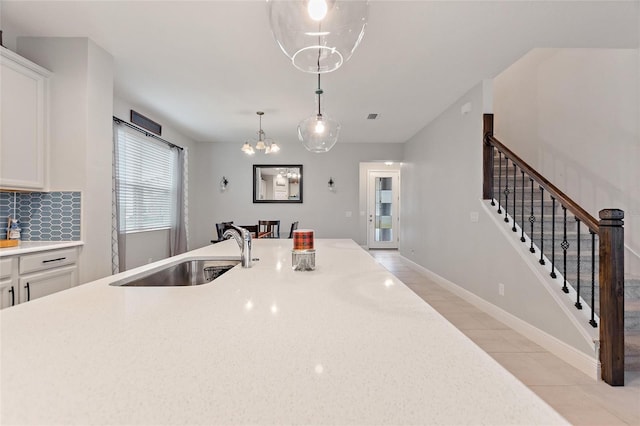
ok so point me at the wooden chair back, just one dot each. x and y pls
(294, 226)
(220, 228)
(270, 226)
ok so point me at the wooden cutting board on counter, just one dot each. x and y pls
(8, 243)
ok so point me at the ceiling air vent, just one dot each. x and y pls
(372, 116)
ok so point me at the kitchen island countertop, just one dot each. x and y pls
(347, 343)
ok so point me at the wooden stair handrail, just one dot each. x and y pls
(564, 199)
(610, 231)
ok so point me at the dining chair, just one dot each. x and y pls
(220, 228)
(294, 226)
(272, 227)
(251, 228)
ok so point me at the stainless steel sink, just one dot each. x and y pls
(191, 272)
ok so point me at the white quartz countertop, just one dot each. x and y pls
(25, 247)
(345, 344)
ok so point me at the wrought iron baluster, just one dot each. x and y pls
(506, 189)
(553, 238)
(515, 169)
(532, 219)
(592, 321)
(493, 171)
(565, 245)
(578, 304)
(499, 181)
(541, 225)
(522, 211)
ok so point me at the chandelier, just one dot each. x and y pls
(262, 143)
(318, 35)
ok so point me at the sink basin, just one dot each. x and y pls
(191, 272)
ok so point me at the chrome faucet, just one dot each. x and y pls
(243, 238)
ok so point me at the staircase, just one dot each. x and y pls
(546, 217)
(541, 203)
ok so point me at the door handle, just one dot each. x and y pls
(28, 292)
(13, 296)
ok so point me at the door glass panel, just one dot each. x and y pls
(383, 217)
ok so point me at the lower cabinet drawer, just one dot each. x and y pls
(6, 267)
(47, 260)
(44, 283)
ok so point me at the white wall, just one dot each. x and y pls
(80, 136)
(573, 114)
(321, 210)
(146, 247)
(149, 246)
(441, 186)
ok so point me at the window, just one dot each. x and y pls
(146, 181)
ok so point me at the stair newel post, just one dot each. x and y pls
(611, 235)
(487, 160)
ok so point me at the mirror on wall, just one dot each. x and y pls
(277, 183)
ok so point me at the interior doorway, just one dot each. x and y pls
(383, 208)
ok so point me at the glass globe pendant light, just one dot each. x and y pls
(318, 133)
(318, 35)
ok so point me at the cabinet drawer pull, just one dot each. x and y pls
(13, 296)
(28, 292)
(53, 260)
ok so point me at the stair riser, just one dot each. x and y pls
(537, 195)
(630, 293)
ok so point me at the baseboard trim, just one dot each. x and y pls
(583, 362)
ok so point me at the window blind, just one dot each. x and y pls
(145, 175)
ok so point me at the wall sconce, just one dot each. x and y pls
(332, 184)
(223, 184)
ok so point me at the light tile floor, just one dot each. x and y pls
(577, 397)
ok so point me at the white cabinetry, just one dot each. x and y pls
(8, 284)
(44, 283)
(24, 116)
(30, 276)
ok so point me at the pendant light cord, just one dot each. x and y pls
(319, 91)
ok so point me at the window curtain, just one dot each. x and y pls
(179, 232)
(118, 239)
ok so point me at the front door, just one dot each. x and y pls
(383, 198)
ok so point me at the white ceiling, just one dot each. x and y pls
(206, 67)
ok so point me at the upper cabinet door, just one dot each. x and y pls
(24, 116)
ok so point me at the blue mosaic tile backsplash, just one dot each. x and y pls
(43, 216)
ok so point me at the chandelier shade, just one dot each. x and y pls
(318, 35)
